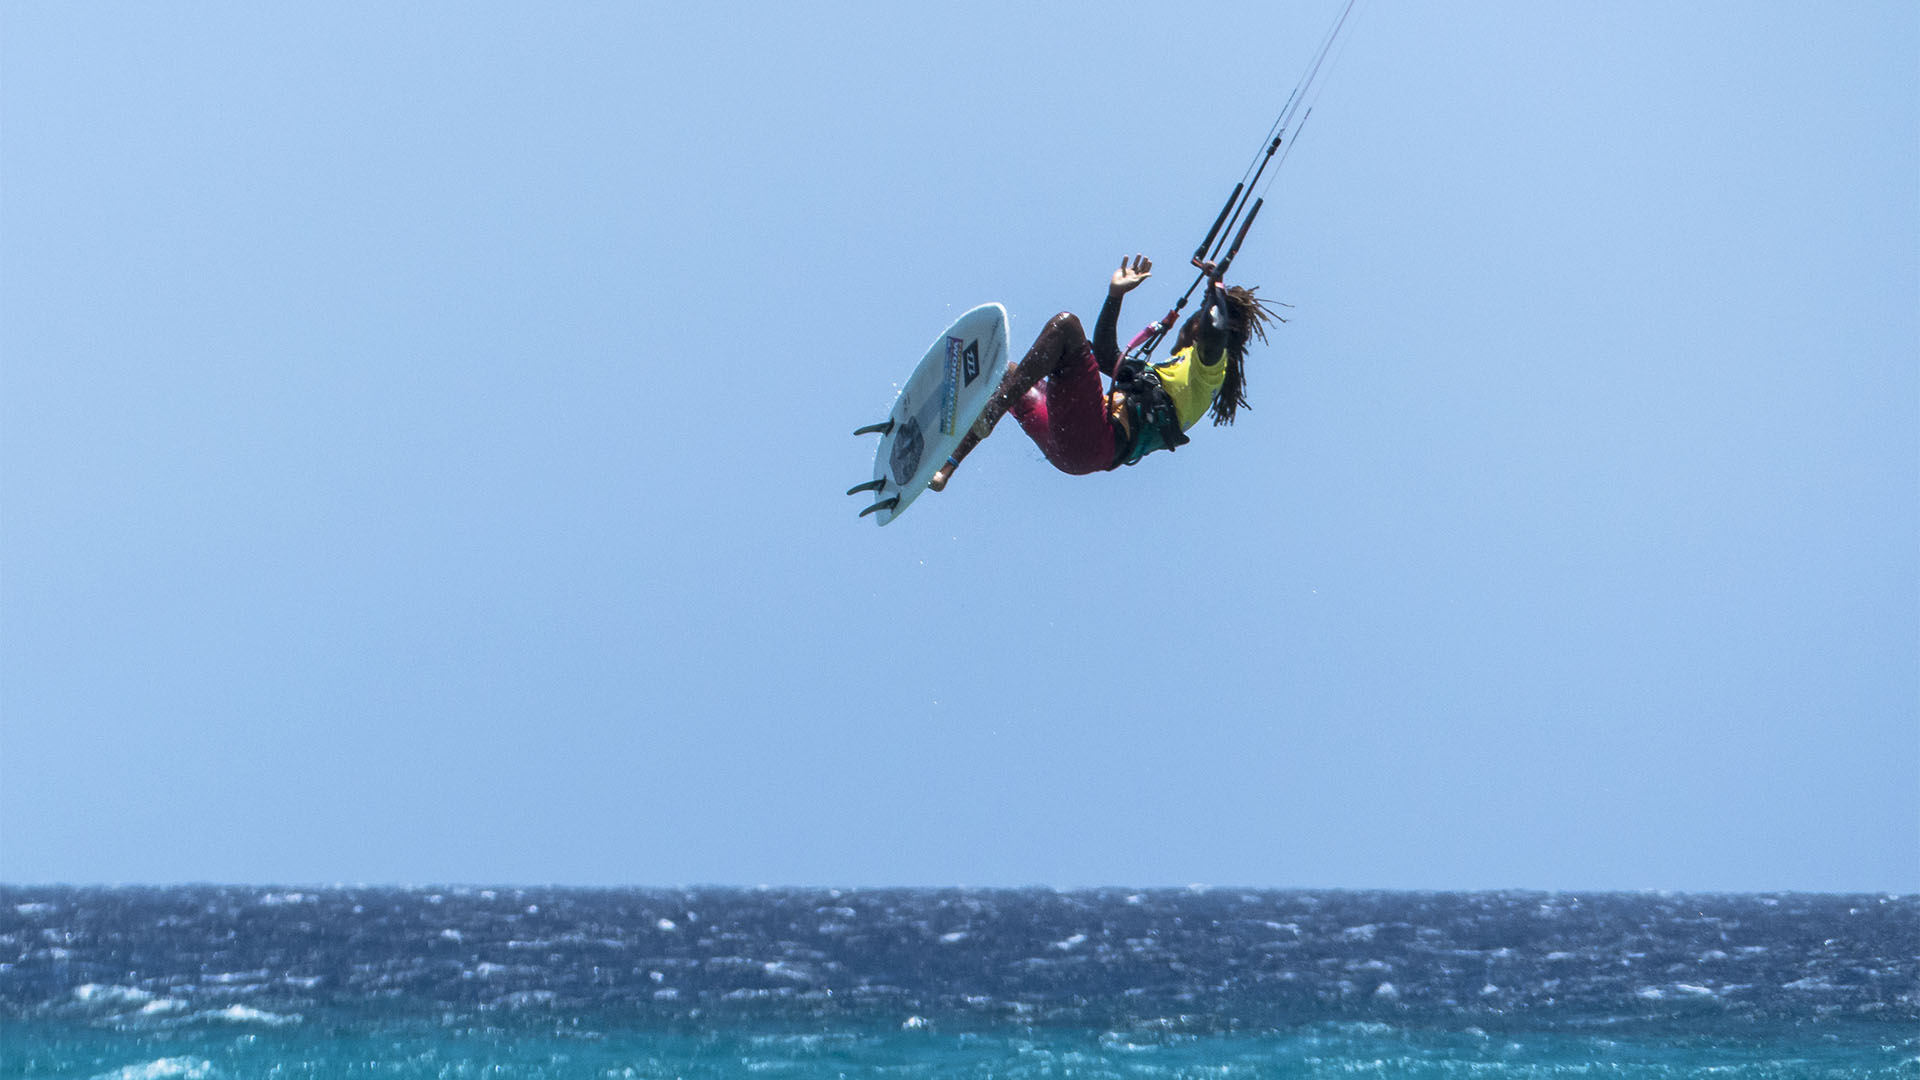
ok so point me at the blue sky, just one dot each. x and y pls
(423, 430)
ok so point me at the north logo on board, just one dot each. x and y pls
(970, 361)
(908, 446)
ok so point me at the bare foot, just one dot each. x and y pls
(939, 481)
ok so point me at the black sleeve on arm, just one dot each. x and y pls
(1106, 336)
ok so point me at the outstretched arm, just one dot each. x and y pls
(1106, 328)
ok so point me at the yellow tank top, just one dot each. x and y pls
(1191, 383)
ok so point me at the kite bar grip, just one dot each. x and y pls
(1238, 238)
(1201, 251)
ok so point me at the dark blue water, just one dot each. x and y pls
(232, 982)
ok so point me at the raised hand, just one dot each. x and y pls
(1128, 278)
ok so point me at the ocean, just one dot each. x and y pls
(204, 981)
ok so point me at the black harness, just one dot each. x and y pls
(1152, 421)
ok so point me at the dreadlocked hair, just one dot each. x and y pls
(1247, 317)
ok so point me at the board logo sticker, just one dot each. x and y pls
(908, 446)
(971, 360)
(950, 386)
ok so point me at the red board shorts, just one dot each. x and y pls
(1066, 415)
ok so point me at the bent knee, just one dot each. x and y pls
(1066, 320)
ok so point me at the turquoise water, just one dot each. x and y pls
(546, 983)
(1354, 1050)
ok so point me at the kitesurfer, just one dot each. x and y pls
(1081, 425)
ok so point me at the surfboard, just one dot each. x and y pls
(945, 394)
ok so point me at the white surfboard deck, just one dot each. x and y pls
(938, 404)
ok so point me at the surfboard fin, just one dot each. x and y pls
(882, 428)
(871, 485)
(884, 504)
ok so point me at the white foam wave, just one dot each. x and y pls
(175, 1068)
(246, 1014)
(757, 993)
(98, 994)
(1366, 1027)
(783, 970)
(1811, 982)
(228, 978)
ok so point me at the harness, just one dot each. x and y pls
(1152, 422)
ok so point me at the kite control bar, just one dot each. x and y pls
(1209, 270)
(1200, 253)
(1229, 222)
(1214, 267)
